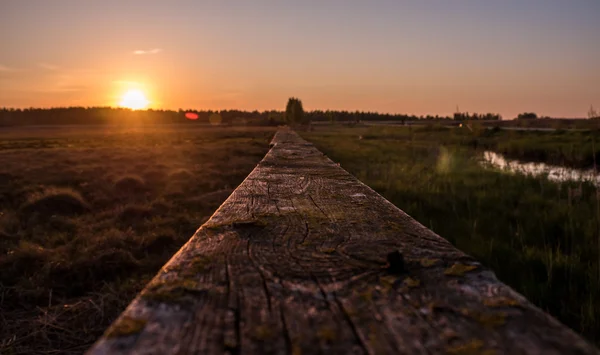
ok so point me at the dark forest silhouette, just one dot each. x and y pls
(110, 115)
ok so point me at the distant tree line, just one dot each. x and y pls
(527, 116)
(109, 115)
(357, 116)
(592, 114)
(465, 116)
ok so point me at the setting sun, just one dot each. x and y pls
(134, 99)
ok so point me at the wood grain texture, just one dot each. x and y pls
(303, 258)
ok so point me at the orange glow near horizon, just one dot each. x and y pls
(134, 99)
(408, 57)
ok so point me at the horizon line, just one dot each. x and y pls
(502, 118)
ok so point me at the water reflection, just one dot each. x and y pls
(554, 172)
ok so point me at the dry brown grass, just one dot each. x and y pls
(88, 217)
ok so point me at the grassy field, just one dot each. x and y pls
(539, 237)
(89, 215)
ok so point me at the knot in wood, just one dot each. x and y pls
(395, 262)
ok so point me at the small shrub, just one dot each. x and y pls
(109, 238)
(9, 224)
(76, 277)
(25, 259)
(130, 184)
(55, 201)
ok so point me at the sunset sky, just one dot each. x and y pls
(399, 56)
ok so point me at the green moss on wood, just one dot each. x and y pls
(263, 332)
(473, 347)
(350, 311)
(126, 326)
(230, 344)
(447, 334)
(195, 266)
(244, 223)
(388, 282)
(366, 296)
(191, 268)
(326, 334)
(488, 320)
(172, 291)
(501, 302)
(426, 262)
(459, 269)
(411, 282)
(249, 223)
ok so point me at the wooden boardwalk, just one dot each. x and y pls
(303, 258)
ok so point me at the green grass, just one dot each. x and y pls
(88, 216)
(539, 237)
(579, 149)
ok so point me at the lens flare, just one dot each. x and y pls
(191, 115)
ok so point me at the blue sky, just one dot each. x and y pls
(425, 56)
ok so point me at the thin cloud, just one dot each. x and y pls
(4, 68)
(71, 88)
(48, 66)
(151, 51)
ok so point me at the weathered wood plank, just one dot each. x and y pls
(296, 261)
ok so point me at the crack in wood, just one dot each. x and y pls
(317, 206)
